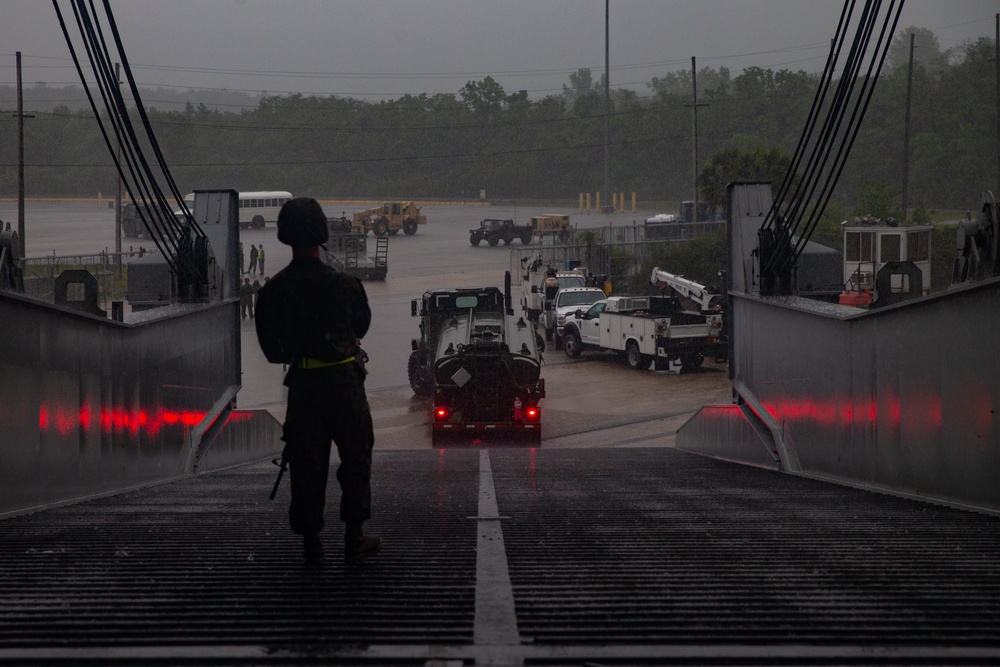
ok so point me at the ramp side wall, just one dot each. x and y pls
(88, 405)
(904, 398)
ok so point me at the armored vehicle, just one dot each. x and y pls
(479, 361)
(493, 230)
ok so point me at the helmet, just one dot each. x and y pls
(301, 222)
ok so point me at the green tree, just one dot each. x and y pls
(876, 199)
(700, 260)
(735, 164)
(483, 97)
(580, 82)
(926, 50)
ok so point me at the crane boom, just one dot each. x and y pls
(686, 288)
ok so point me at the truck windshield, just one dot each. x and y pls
(571, 281)
(580, 298)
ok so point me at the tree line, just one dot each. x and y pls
(452, 146)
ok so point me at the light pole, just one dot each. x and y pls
(607, 98)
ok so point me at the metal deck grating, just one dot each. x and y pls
(616, 557)
(211, 560)
(622, 547)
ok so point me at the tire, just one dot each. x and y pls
(691, 362)
(257, 222)
(634, 358)
(539, 342)
(380, 227)
(571, 344)
(525, 239)
(475, 239)
(409, 226)
(493, 240)
(421, 381)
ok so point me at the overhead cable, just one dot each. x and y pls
(822, 153)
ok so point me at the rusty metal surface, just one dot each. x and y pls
(616, 556)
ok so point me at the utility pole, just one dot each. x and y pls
(118, 194)
(694, 109)
(20, 158)
(607, 98)
(906, 132)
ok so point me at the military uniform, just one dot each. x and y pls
(310, 318)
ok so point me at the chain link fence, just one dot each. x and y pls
(617, 253)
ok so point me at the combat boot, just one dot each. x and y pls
(313, 552)
(359, 547)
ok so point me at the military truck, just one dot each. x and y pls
(390, 217)
(493, 230)
(479, 361)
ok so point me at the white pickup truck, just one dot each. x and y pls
(567, 301)
(535, 300)
(644, 328)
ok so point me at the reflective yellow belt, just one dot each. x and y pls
(308, 363)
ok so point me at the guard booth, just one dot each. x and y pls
(871, 244)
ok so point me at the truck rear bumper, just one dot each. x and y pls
(500, 426)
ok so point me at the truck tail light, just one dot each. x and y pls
(533, 413)
(440, 413)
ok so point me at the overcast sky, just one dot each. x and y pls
(377, 49)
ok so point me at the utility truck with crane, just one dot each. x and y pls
(644, 329)
(705, 299)
(479, 361)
